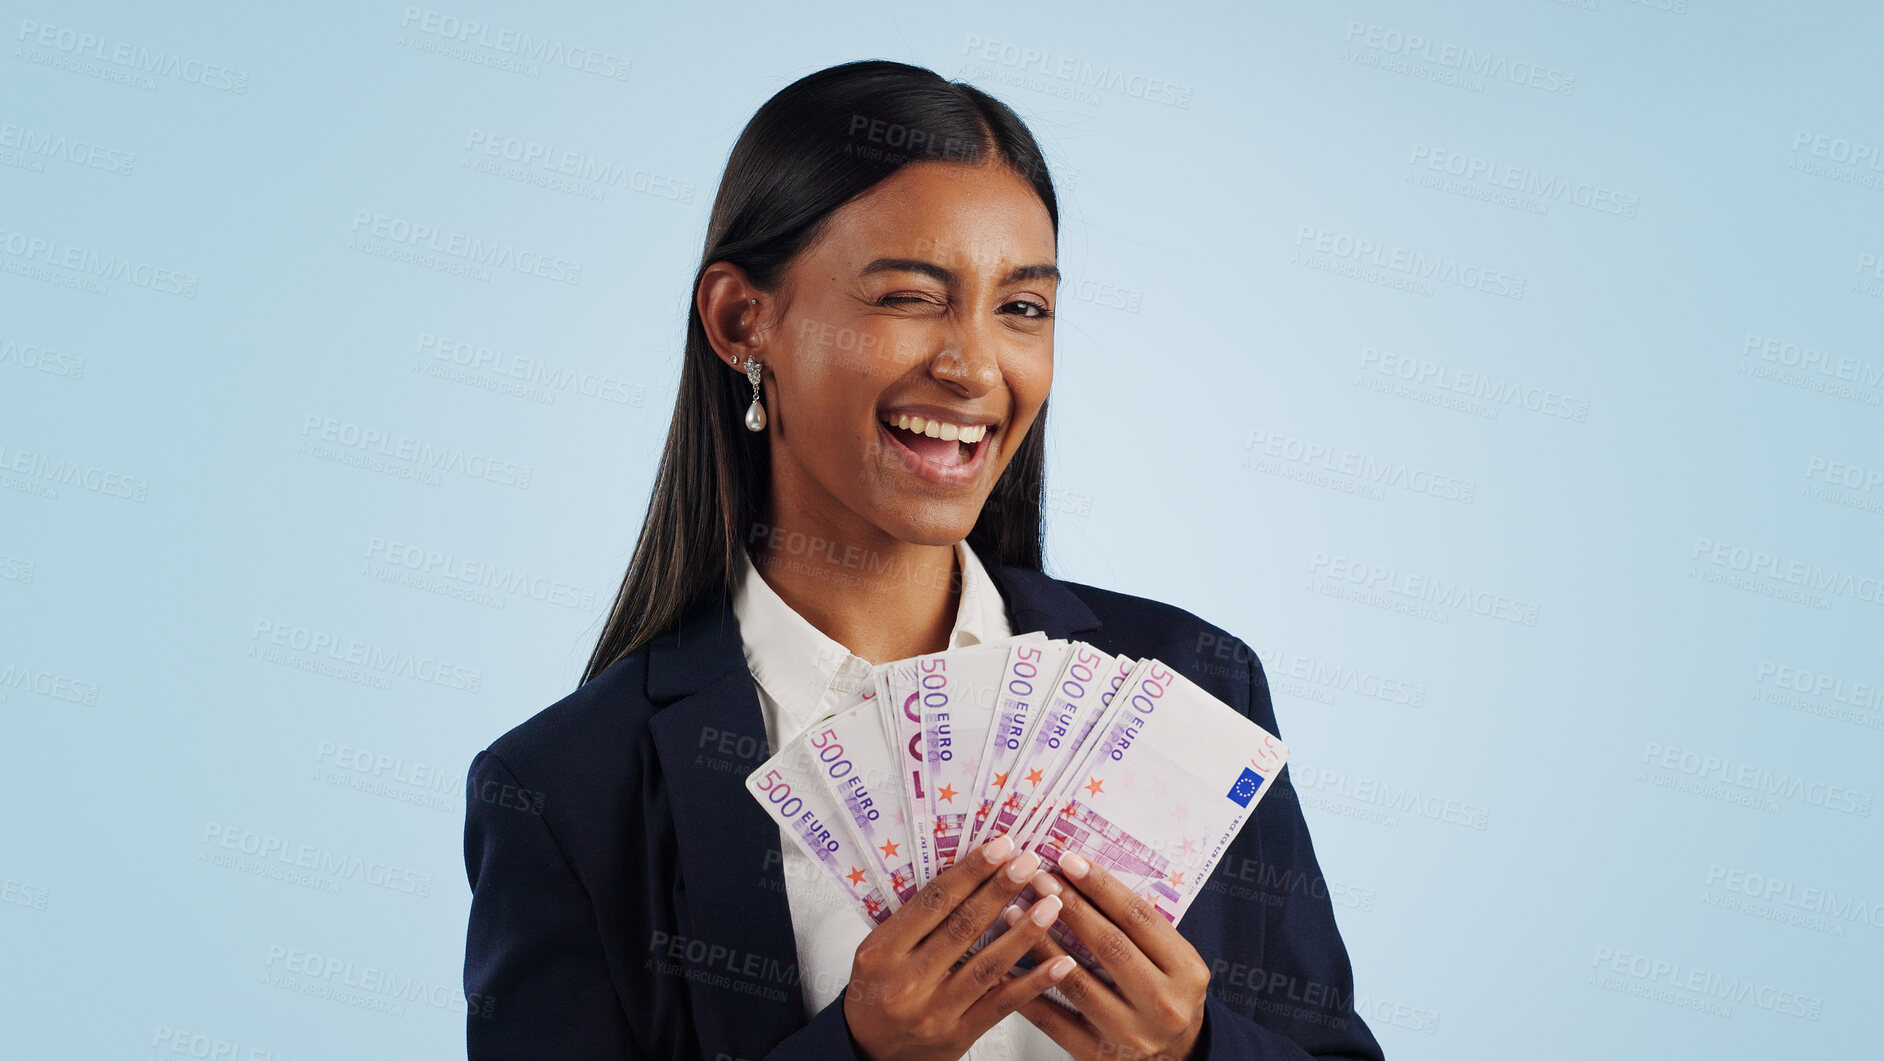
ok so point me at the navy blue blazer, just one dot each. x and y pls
(627, 899)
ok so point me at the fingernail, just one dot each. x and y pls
(1011, 915)
(1046, 911)
(1023, 867)
(1059, 967)
(1045, 884)
(997, 849)
(1074, 866)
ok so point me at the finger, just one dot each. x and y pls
(1099, 1003)
(1155, 935)
(1016, 992)
(1063, 1026)
(1137, 976)
(982, 971)
(961, 926)
(904, 930)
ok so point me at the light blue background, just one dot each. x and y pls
(1198, 325)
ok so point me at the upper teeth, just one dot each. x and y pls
(939, 429)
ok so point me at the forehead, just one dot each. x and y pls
(982, 217)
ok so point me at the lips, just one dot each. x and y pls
(942, 451)
(931, 428)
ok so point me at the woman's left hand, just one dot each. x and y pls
(1157, 1008)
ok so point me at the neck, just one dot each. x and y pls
(881, 598)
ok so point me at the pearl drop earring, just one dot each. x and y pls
(755, 413)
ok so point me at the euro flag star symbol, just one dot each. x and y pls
(855, 876)
(946, 794)
(1034, 776)
(1176, 878)
(888, 849)
(1095, 786)
(1000, 779)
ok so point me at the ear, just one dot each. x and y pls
(733, 311)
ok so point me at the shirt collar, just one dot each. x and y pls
(801, 667)
(982, 614)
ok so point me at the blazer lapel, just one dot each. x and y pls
(733, 888)
(1037, 601)
(734, 909)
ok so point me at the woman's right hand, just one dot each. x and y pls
(906, 1000)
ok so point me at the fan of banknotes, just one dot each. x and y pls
(1056, 744)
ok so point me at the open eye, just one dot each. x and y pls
(1029, 308)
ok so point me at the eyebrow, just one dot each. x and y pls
(1019, 273)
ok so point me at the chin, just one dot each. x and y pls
(944, 526)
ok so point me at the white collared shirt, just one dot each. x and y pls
(802, 673)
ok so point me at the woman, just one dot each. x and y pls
(853, 474)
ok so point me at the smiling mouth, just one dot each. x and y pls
(937, 442)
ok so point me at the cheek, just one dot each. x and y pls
(1029, 383)
(826, 406)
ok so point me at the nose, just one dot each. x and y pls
(969, 362)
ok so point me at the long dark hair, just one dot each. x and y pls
(820, 142)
